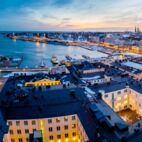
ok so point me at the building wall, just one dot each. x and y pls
(57, 129)
(120, 99)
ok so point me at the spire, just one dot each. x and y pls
(135, 29)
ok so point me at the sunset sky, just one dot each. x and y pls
(66, 15)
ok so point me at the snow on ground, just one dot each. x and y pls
(133, 65)
(133, 54)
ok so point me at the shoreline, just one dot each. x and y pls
(82, 44)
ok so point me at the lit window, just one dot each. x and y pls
(125, 96)
(57, 120)
(65, 118)
(73, 126)
(125, 102)
(119, 98)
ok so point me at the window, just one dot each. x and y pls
(66, 127)
(27, 139)
(119, 92)
(58, 128)
(125, 90)
(66, 135)
(25, 122)
(57, 120)
(12, 140)
(17, 123)
(33, 122)
(58, 136)
(51, 137)
(65, 118)
(74, 134)
(11, 132)
(125, 96)
(18, 131)
(26, 131)
(49, 121)
(50, 129)
(73, 126)
(119, 98)
(10, 123)
(106, 96)
(20, 140)
(34, 130)
(73, 117)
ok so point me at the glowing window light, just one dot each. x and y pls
(119, 98)
(125, 96)
(74, 138)
(125, 102)
(66, 139)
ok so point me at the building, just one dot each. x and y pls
(57, 113)
(70, 114)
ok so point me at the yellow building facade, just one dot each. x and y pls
(44, 82)
(56, 129)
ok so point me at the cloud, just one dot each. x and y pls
(70, 14)
(62, 3)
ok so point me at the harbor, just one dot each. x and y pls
(33, 53)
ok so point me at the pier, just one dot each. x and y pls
(23, 69)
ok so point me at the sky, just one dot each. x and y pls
(70, 15)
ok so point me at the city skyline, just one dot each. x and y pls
(71, 15)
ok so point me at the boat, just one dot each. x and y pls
(68, 58)
(42, 64)
(54, 60)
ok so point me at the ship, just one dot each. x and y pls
(54, 60)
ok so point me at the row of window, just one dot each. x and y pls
(50, 137)
(20, 140)
(25, 123)
(58, 128)
(119, 92)
(59, 136)
(34, 122)
(20, 132)
(50, 129)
